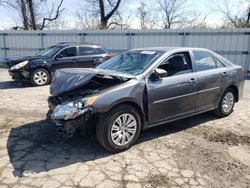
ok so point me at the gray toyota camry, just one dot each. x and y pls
(142, 88)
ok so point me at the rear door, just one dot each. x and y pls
(65, 59)
(175, 95)
(101, 55)
(212, 78)
(86, 57)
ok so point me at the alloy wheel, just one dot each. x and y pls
(228, 102)
(40, 77)
(123, 129)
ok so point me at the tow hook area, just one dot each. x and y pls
(67, 129)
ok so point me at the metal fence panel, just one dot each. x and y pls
(54, 37)
(233, 44)
(1, 46)
(18, 40)
(112, 40)
(239, 59)
(16, 53)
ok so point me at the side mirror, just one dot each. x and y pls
(59, 56)
(160, 73)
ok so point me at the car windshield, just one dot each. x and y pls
(50, 51)
(133, 62)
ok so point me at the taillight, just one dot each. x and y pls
(242, 70)
(109, 56)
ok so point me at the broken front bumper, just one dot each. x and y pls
(67, 128)
(19, 74)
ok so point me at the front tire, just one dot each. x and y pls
(226, 104)
(119, 129)
(40, 77)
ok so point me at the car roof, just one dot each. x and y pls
(65, 44)
(167, 49)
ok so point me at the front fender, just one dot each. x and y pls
(126, 100)
(131, 91)
(37, 64)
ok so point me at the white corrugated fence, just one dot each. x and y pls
(233, 44)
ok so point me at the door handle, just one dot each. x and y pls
(224, 74)
(74, 60)
(192, 80)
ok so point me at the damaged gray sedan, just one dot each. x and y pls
(143, 88)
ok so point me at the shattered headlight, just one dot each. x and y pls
(19, 65)
(73, 109)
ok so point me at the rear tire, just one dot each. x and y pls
(119, 129)
(226, 104)
(40, 77)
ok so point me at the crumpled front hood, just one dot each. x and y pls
(66, 80)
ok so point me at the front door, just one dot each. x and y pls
(175, 95)
(65, 59)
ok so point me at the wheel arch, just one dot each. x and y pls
(134, 105)
(41, 67)
(236, 91)
(231, 86)
(218, 108)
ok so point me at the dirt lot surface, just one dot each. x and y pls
(201, 151)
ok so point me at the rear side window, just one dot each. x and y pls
(68, 52)
(86, 51)
(203, 61)
(218, 63)
(100, 51)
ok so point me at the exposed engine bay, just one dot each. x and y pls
(73, 92)
(97, 83)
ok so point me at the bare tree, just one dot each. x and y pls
(22, 6)
(106, 10)
(143, 15)
(2, 2)
(147, 17)
(29, 11)
(173, 11)
(194, 20)
(105, 17)
(234, 15)
(85, 19)
(53, 15)
(180, 14)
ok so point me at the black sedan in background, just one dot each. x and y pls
(38, 68)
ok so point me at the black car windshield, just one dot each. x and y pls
(133, 62)
(50, 51)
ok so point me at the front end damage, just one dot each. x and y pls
(73, 93)
(68, 116)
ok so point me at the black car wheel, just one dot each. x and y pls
(226, 103)
(40, 77)
(119, 129)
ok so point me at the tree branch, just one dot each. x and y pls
(49, 19)
(108, 16)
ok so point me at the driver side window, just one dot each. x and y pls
(176, 64)
(68, 52)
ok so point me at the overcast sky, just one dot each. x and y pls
(9, 18)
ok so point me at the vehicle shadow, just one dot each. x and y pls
(34, 147)
(14, 84)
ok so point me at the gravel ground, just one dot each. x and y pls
(201, 151)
